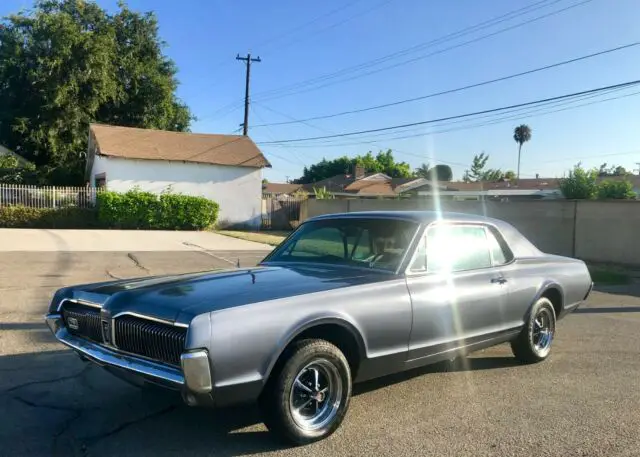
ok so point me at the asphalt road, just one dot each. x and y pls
(583, 401)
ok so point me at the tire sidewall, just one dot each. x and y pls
(287, 377)
(541, 303)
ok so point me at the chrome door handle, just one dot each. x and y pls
(498, 280)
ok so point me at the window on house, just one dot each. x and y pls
(100, 180)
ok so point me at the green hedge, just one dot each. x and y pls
(143, 210)
(64, 218)
(131, 210)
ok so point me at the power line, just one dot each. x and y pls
(434, 53)
(266, 42)
(290, 89)
(367, 142)
(271, 94)
(459, 116)
(458, 89)
(295, 152)
(512, 114)
(544, 112)
(339, 23)
(413, 48)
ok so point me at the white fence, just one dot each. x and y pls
(47, 197)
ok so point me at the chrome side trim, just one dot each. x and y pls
(102, 355)
(149, 318)
(79, 302)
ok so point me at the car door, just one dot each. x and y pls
(458, 295)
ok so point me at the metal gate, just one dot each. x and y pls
(280, 212)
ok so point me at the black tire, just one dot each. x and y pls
(533, 344)
(302, 361)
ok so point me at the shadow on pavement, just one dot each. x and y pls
(23, 326)
(609, 309)
(631, 290)
(67, 407)
(459, 364)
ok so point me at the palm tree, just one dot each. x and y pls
(521, 135)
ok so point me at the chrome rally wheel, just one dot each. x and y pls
(316, 395)
(307, 396)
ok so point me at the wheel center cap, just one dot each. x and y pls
(318, 396)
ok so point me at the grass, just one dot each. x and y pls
(273, 238)
(609, 275)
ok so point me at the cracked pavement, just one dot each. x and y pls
(583, 401)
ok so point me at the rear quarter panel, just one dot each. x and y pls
(247, 340)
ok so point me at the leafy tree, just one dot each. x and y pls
(610, 189)
(383, 162)
(581, 184)
(613, 170)
(437, 173)
(510, 174)
(521, 134)
(13, 172)
(323, 194)
(67, 63)
(477, 171)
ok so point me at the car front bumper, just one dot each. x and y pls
(193, 378)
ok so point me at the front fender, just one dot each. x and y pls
(314, 321)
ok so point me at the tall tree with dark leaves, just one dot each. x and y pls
(383, 162)
(67, 63)
(521, 134)
(436, 173)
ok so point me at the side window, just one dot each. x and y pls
(420, 260)
(499, 251)
(363, 249)
(326, 241)
(457, 248)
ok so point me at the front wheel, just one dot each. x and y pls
(307, 399)
(534, 342)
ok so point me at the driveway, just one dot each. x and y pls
(583, 401)
(36, 240)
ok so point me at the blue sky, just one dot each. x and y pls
(299, 40)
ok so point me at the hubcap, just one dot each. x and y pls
(316, 395)
(542, 330)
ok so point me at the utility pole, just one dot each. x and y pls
(248, 60)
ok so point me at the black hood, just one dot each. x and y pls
(180, 297)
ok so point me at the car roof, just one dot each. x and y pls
(422, 217)
(518, 243)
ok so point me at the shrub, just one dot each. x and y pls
(63, 218)
(581, 184)
(622, 190)
(143, 210)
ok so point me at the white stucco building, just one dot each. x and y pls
(223, 168)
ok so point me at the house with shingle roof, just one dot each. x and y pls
(223, 168)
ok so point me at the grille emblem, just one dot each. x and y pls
(106, 331)
(73, 323)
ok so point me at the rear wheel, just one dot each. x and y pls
(307, 399)
(534, 342)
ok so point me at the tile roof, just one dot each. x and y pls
(147, 144)
(280, 188)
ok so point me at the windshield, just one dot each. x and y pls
(370, 243)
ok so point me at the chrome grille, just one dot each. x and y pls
(85, 320)
(155, 340)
